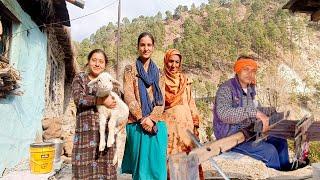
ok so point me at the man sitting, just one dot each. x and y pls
(236, 109)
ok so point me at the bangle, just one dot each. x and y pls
(155, 129)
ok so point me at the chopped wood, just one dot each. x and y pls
(9, 79)
(3, 59)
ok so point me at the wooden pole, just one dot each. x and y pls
(118, 40)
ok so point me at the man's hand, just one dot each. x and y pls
(264, 119)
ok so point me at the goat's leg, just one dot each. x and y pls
(112, 130)
(115, 157)
(102, 131)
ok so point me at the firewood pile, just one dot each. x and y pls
(9, 79)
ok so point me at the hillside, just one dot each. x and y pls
(210, 38)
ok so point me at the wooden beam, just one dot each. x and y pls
(313, 133)
(315, 16)
(217, 147)
(79, 3)
(285, 129)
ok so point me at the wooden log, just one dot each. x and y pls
(217, 147)
(4, 61)
(4, 71)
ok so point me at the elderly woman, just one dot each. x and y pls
(181, 113)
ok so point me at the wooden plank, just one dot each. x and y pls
(217, 147)
(285, 129)
(313, 133)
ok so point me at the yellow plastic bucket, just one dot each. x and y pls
(41, 157)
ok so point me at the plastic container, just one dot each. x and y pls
(41, 157)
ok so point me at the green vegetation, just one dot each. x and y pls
(229, 28)
(105, 38)
(314, 149)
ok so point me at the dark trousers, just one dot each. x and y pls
(273, 152)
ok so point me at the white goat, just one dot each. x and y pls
(117, 116)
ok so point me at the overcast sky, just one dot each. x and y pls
(84, 27)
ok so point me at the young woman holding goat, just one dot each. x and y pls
(87, 161)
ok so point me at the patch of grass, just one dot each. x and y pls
(314, 152)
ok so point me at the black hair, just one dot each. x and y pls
(144, 34)
(98, 51)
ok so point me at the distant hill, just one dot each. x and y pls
(212, 35)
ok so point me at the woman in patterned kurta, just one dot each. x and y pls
(181, 113)
(146, 144)
(87, 161)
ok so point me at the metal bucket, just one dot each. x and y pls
(58, 145)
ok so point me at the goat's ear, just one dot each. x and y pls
(115, 82)
(93, 81)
